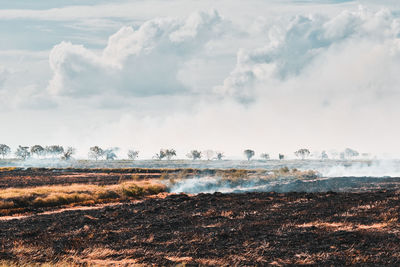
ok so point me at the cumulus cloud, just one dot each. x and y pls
(313, 44)
(141, 62)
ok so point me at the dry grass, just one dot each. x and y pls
(234, 174)
(51, 196)
(239, 175)
(6, 169)
(286, 172)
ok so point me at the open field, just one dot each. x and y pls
(129, 216)
(216, 229)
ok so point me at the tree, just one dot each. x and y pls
(96, 152)
(249, 153)
(281, 156)
(209, 154)
(350, 153)
(194, 154)
(133, 154)
(165, 153)
(265, 156)
(302, 153)
(37, 150)
(324, 155)
(220, 155)
(160, 155)
(4, 150)
(54, 150)
(110, 154)
(169, 153)
(23, 152)
(68, 153)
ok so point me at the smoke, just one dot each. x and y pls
(378, 168)
(337, 176)
(336, 184)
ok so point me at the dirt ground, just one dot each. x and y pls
(216, 229)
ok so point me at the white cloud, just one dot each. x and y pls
(138, 62)
(142, 10)
(292, 51)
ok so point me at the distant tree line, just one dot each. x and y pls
(38, 151)
(98, 153)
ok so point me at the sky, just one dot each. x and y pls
(273, 76)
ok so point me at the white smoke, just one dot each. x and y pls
(379, 168)
(337, 184)
(338, 176)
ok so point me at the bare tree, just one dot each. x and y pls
(194, 154)
(302, 153)
(68, 153)
(23, 152)
(133, 154)
(37, 150)
(209, 154)
(95, 152)
(4, 150)
(249, 154)
(264, 156)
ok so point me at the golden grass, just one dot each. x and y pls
(339, 226)
(49, 196)
(5, 169)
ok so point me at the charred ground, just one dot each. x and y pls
(214, 229)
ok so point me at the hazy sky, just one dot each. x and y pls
(226, 75)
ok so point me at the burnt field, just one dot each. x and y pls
(30, 177)
(156, 227)
(216, 229)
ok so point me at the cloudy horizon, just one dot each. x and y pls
(273, 76)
